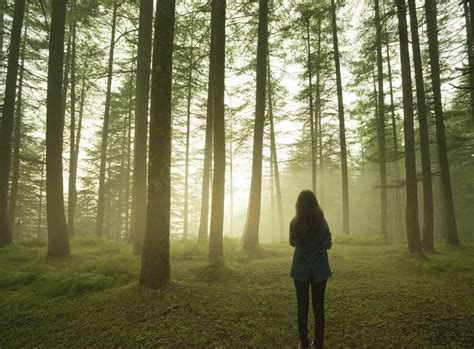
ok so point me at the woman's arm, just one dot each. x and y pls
(328, 235)
(292, 235)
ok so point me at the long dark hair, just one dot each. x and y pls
(309, 215)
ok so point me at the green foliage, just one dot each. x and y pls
(379, 296)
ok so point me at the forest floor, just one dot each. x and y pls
(379, 296)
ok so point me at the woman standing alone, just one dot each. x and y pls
(310, 235)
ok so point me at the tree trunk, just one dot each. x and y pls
(7, 121)
(311, 110)
(137, 228)
(342, 127)
(67, 66)
(231, 176)
(73, 170)
(432, 29)
(413, 229)
(40, 203)
(381, 125)
(155, 269)
(253, 215)
(216, 233)
(319, 132)
(2, 24)
(470, 54)
(72, 192)
(17, 131)
(398, 215)
(428, 217)
(105, 131)
(274, 163)
(188, 128)
(58, 240)
(129, 152)
(206, 175)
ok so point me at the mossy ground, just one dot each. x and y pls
(379, 296)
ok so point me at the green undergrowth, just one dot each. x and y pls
(379, 296)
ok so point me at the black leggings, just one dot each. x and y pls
(302, 295)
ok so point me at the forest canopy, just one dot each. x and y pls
(147, 122)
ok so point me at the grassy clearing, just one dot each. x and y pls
(379, 296)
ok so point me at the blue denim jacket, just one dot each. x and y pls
(311, 254)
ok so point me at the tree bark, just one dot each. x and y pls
(413, 229)
(216, 233)
(7, 121)
(2, 24)
(274, 156)
(188, 129)
(432, 29)
(105, 131)
(40, 201)
(58, 239)
(311, 109)
(206, 175)
(253, 215)
(129, 152)
(470, 53)
(155, 269)
(17, 130)
(381, 125)
(342, 127)
(137, 228)
(72, 192)
(428, 215)
(318, 116)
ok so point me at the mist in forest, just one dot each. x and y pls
(152, 154)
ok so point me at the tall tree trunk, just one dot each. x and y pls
(72, 192)
(311, 109)
(342, 127)
(274, 156)
(17, 130)
(470, 53)
(206, 175)
(216, 233)
(155, 270)
(319, 133)
(413, 229)
(58, 239)
(253, 215)
(188, 129)
(105, 131)
(231, 175)
(432, 29)
(40, 201)
(137, 227)
(2, 24)
(67, 66)
(381, 125)
(73, 170)
(129, 152)
(398, 215)
(7, 121)
(428, 217)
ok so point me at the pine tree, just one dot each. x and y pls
(216, 234)
(253, 215)
(137, 228)
(155, 270)
(58, 240)
(413, 229)
(8, 120)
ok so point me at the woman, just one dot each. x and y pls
(310, 235)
